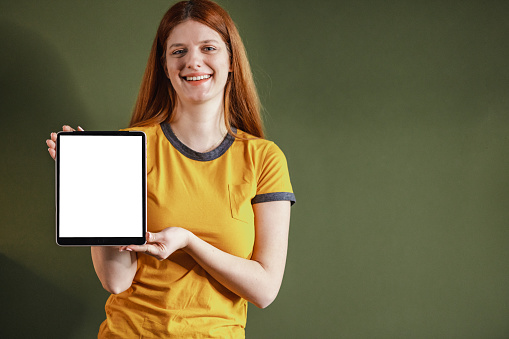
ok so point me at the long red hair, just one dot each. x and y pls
(157, 97)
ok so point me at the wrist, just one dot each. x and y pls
(189, 241)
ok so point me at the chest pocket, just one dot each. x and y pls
(240, 202)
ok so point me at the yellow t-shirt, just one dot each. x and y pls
(210, 194)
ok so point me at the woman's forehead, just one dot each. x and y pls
(192, 32)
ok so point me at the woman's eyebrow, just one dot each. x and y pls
(209, 41)
(179, 44)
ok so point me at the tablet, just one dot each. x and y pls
(101, 188)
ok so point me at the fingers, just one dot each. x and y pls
(67, 128)
(154, 250)
(53, 139)
(134, 248)
(52, 153)
(152, 247)
(51, 143)
(148, 247)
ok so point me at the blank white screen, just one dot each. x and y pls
(101, 186)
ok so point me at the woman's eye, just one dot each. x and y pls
(209, 48)
(177, 52)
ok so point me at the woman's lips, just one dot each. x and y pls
(197, 78)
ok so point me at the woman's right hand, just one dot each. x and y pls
(52, 142)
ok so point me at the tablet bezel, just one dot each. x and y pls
(102, 241)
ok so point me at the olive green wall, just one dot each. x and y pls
(394, 116)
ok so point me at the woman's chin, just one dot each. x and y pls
(201, 98)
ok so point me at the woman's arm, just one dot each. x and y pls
(257, 280)
(114, 269)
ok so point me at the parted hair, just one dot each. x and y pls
(157, 97)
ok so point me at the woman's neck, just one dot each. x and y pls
(200, 127)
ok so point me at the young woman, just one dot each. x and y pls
(219, 195)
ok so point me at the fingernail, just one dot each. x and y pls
(128, 249)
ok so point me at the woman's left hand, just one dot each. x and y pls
(162, 244)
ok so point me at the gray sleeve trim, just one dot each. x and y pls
(278, 196)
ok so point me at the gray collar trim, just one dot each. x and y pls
(191, 154)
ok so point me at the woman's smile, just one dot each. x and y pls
(196, 79)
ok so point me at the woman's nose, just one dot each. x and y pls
(194, 60)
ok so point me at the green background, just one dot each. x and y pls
(394, 116)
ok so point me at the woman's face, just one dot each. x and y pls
(197, 62)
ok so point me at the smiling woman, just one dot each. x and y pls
(197, 64)
(218, 194)
(157, 98)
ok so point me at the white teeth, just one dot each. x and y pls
(201, 77)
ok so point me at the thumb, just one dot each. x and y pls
(152, 237)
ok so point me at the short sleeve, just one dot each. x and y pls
(273, 177)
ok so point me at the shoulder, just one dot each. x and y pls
(145, 129)
(269, 167)
(263, 154)
(152, 131)
(257, 145)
